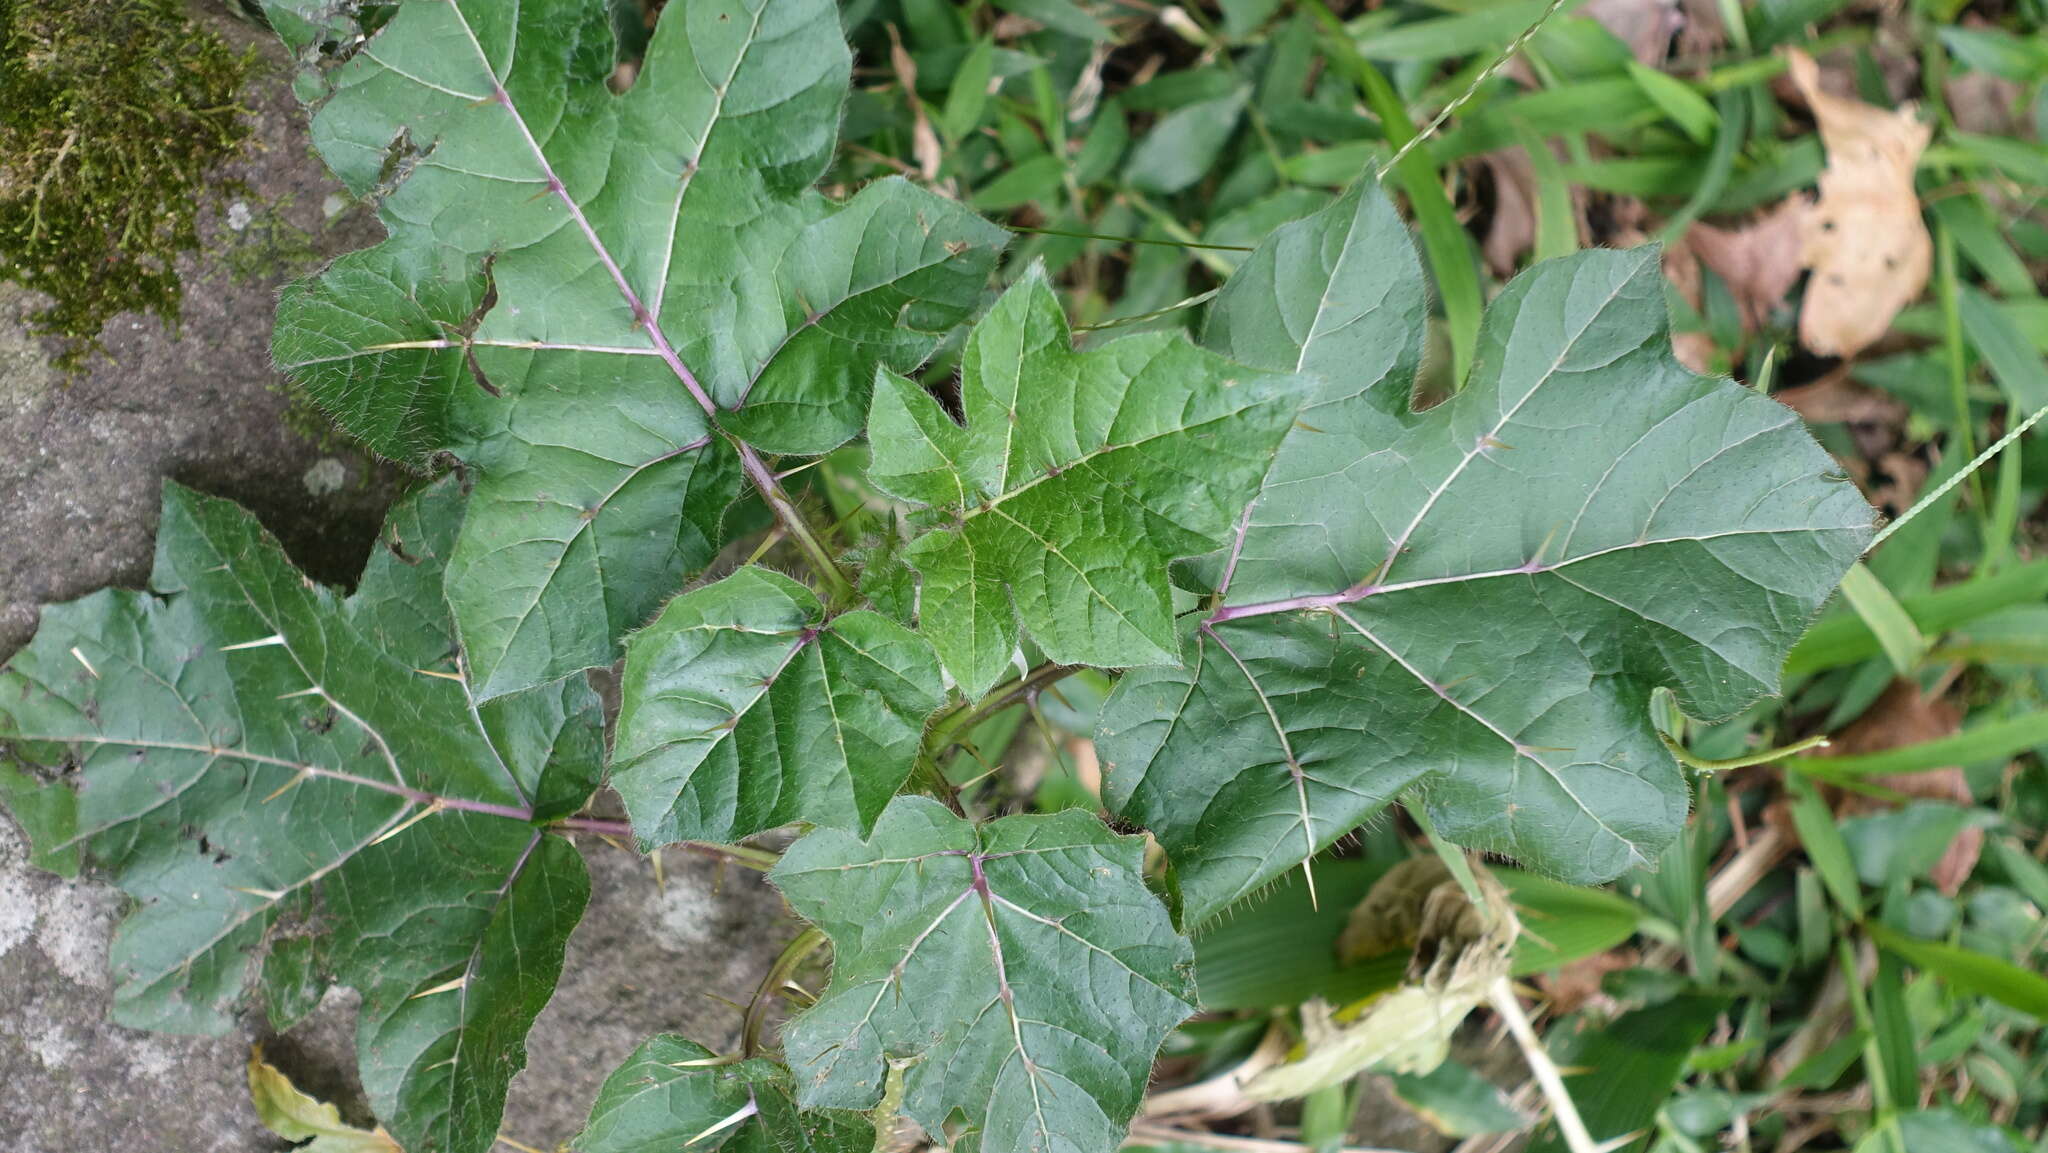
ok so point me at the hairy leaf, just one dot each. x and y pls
(1019, 972)
(675, 1094)
(744, 708)
(1480, 597)
(583, 294)
(1078, 476)
(266, 766)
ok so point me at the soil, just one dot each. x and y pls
(82, 460)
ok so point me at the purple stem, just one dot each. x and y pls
(756, 470)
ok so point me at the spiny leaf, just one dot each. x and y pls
(743, 707)
(583, 294)
(1021, 968)
(1479, 597)
(675, 1094)
(1078, 477)
(264, 765)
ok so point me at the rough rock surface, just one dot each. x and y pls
(81, 462)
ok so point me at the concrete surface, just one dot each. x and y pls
(81, 462)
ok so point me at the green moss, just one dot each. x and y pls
(112, 112)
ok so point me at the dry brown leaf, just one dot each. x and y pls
(1906, 716)
(1986, 104)
(1760, 261)
(1833, 398)
(1512, 230)
(1896, 481)
(1864, 240)
(1695, 350)
(1576, 983)
(924, 142)
(1702, 34)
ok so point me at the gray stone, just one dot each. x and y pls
(81, 464)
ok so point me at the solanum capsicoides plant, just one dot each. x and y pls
(626, 315)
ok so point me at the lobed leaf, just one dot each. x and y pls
(1019, 973)
(290, 780)
(743, 707)
(1478, 598)
(587, 296)
(1078, 476)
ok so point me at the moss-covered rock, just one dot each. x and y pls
(112, 112)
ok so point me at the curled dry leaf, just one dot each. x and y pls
(1864, 240)
(295, 1115)
(1906, 716)
(1459, 952)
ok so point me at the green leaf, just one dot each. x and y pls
(1482, 596)
(584, 295)
(1183, 146)
(1061, 15)
(2014, 362)
(675, 1094)
(255, 759)
(1943, 1128)
(743, 708)
(969, 92)
(1972, 972)
(1457, 1102)
(1020, 973)
(1078, 477)
(1676, 99)
(1620, 1072)
(1888, 620)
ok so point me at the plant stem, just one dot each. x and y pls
(779, 973)
(945, 731)
(1693, 760)
(838, 589)
(752, 858)
(1452, 856)
(1576, 1138)
(1967, 470)
(1126, 239)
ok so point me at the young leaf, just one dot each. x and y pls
(743, 707)
(1078, 477)
(1480, 596)
(1022, 968)
(243, 748)
(675, 1094)
(586, 295)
